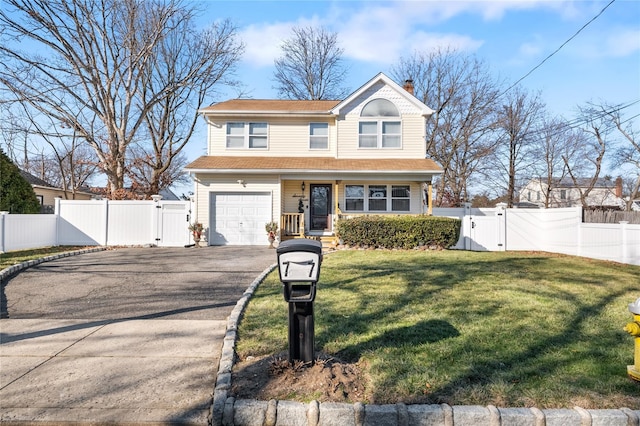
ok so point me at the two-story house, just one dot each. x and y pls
(305, 163)
(565, 192)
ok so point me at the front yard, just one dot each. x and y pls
(508, 329)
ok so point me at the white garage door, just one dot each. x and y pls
(239, 218)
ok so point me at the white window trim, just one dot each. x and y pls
(379, 124)
(246, 136)
(310, 135)
(389, 198)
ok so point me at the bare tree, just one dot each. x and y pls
(47, 149)
(199, 59)
(589, 147)
(549, 146)
(628, 152)
(518, 122)
(460, 134)
(311, 66)
(84, 64)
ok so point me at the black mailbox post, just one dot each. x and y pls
(299, 266)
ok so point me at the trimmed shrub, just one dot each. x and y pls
(399, 232)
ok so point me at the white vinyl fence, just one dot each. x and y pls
(165, 223)
(99, 222)
(551, 230)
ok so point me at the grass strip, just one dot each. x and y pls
(14, 257)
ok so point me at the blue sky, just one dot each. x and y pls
(602, 63)
(512, 37)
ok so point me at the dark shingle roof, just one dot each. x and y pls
(33, 180)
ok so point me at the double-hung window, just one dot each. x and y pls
(247, 135)
(380, 125)
(377, 198)
(354, 197)
(318, 135)
(400, 198)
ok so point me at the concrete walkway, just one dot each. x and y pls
(126, 336)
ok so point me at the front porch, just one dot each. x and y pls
(292, 225)
(311, 208)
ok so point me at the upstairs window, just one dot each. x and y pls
(247, 135)
(318, 136)
(380, 125)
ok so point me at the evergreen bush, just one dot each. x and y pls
(16, 194)
(399, 232)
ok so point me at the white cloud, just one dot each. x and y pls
(263, 41)
(616, 42)
(622, 42)
(381, 33)
(528, 52)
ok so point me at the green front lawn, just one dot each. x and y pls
(508, 329)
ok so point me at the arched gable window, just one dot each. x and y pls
(380, 108)
(376, 129)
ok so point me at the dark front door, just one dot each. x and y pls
(320, 207)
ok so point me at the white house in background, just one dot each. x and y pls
(304, 163)
(565, 193)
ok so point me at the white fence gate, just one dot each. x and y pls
(551, 230)
(90, 222)
(99, 222)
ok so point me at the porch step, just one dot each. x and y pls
(328, 242)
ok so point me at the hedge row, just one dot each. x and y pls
(399, 232)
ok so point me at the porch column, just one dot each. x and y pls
(429, 198)
(336, 208)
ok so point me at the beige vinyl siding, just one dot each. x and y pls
(291, 188)
(286, 137)
(206, 183)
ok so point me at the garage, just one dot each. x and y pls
(238, 218)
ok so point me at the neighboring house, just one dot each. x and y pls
(565, 193)
(304, 163)
(47, 193)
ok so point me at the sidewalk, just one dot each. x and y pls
(124, 372)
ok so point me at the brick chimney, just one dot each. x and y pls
(619, 187)
(408, 86)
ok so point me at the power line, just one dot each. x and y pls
(559, 48)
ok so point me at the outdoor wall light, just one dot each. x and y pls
(241, 182)
(302, 186)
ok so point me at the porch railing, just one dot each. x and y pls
(292, 224)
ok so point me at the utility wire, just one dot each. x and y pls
(559, 48)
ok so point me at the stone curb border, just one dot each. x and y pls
(7, 272)
(226, 410)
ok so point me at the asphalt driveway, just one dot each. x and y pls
(131, 335)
